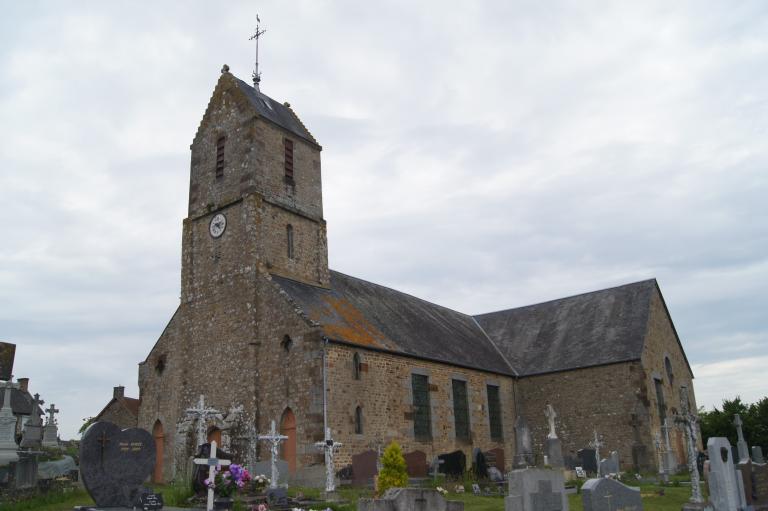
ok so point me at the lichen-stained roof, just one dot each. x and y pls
(374, 316)
(276, 112)
(586, 330)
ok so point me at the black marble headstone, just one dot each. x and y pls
(114, 463)
(454, 463)
(200, 473)
(587, 460)
(277, 497)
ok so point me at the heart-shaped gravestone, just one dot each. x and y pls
(114, 463)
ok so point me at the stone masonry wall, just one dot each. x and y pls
(601, 398)
(661, 343)
(385, 396)
(118, 414)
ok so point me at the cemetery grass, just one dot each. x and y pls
(51, 502)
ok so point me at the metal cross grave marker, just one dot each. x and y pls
(274, 440)
(202, 414)
(329, 445)
(212, 463)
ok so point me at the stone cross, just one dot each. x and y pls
(212, 463)
(274, 440)
(8, 445)
(51, 411)
(689, 421)
(741, 444)
(596, 444)
(329, 445)
(36, 404)
(436, 467)
(202, 414)
(550, 413)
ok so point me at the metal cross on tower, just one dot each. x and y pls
(274, 440)
(257, 33)
(202, 414)
(329, 445)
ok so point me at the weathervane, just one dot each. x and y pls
(259, 32)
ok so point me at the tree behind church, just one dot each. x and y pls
(719, 423)
(393, 469)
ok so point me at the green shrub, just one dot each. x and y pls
(393, 469)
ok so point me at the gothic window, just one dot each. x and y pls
(286, 343)
(494, 412)
(460, 409)
(356, 366)
(220, 156)
(358, 421)
(288, 144)
(422, 415)
(289, 240)
(668, 368)
(660, 399)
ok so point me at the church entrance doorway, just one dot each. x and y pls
(215, 434)
(157, 432)
(288, 428)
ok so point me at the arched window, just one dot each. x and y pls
(356, 366)
(289, 240)
(286, 343)
(668, 368)
(358, 421)
(160, 365)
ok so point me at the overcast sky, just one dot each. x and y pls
(481, 155)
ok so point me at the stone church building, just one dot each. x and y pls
(266, 331)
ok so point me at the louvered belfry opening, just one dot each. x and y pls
(288, 143)
(220, 156)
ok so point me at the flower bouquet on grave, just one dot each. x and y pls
(226, 482)
(259, 483)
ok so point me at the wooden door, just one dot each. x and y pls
(157, 432)
(215, 434)
(288, 428)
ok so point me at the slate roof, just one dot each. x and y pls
(21, 402)
(129, 403)
(359, 312)
(590, 329)
(276, 112)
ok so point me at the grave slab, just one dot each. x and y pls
(723, 487)
(410, 499)
(609, 495)
(533, 489)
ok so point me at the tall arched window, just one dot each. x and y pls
(286, 343)
(356, 366)
(668, 368)
(289, 240)
(358, 421)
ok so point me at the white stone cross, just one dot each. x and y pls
(201, 413)
(51, 411)
(596, 444)
(212, 463)
(274, 440)
(550, 413)
(329, 445)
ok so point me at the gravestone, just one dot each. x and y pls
(609, 495)
(364, 467)
(723, 486)
(26, 471)
(265, 468)
(114, 463)
(416, 464)
(495, 475)
(757, 454)
(610, 465)
(495, 457)
(8, 445)
(277, 498)
(741, 444)
(50, 431)
(479, 463)
(553, 448)
(532, 489)
(410, 499)
(7, 354)
(523, 443)
(755, 479)
(587, 460)
(454, 463)
(32, 433)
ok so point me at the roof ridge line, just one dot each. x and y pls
(498, 350)
(653, 279)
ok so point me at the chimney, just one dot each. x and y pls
(118, 392)
(23, 384)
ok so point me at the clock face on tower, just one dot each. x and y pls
(218, 224)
